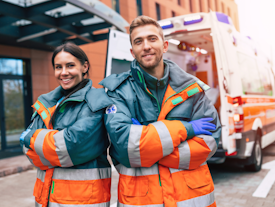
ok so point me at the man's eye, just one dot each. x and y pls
(138, 42)
(153, 38)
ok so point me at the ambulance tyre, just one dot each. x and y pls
(256, 157)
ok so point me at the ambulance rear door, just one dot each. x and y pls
(224, 40)
(118, 58)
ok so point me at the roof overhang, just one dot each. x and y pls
(45, 24)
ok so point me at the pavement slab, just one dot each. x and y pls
(14, 165)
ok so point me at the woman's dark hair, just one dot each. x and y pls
(82, 57)
(74, 50)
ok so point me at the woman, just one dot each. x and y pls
(67, 140)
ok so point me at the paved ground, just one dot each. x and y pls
(233, 186)
(13, 165)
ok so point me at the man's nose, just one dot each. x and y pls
(147, 45)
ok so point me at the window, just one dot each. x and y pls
(223, 10)
(115, 5)
(9, 66)
(139, 8)
(228, 12)
(266, 82)
(250, 76)
(190, 4)
(158, 11)
(173, 14)
(216, 5)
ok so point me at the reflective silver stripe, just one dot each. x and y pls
(165, 138)
(38, 204)
(133, 145)
(107, 204)
(203, 164)
(201, 201)
(82, 174)
(173, 170)
(138, 171)
(184, 153)
(41, 174)
(38, 146)
(25, 150)
(61, 150)
(211, 143)
(152, 205)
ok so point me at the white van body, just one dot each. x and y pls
(208, 46)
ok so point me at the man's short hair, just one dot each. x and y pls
(142, 21)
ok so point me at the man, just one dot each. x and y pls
(159, 127)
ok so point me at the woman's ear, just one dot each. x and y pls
(85, 67)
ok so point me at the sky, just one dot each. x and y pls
(257, 20)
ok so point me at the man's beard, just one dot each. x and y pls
(157, 61)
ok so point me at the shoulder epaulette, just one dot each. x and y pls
(114, 80)
(203, 86)
(97, 99)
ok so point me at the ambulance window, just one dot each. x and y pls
(265, 78)
(120, 66)
(250, 77)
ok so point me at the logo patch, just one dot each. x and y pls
(111, 109)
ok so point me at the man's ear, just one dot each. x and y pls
(131, 50)
(165, 46)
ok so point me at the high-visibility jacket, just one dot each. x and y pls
(158, 165)
(72, 154)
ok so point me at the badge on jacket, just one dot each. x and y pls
(111, 109)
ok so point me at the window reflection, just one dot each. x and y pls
(10, 66)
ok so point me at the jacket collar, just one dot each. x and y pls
(151, 81)
(50, 99)
(178, 78)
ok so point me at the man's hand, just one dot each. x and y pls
(202, 126)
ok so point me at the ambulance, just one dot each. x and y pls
(240, 75)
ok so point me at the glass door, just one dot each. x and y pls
(13, 110)
(15, 101)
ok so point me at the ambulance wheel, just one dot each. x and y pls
(256, 157)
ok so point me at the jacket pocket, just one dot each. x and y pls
(38, 187)
(181, 112)
(137, 186)
(198, 177)
(71, 190)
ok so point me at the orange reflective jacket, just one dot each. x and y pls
(70, 156)
(158, 162)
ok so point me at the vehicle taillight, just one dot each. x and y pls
(232, 154)
(238, 116)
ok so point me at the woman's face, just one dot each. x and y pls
(68, 70)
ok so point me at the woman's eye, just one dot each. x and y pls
(57, 67)
(70, 66)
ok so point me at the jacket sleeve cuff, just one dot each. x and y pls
(189, 129)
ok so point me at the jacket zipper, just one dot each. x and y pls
(141, 75)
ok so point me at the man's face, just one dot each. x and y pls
(148, 46)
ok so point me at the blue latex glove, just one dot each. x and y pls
(202, 126)
(135, 121)
(22, 136)
(24, 133)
